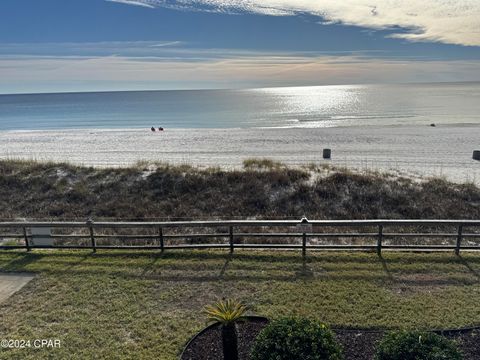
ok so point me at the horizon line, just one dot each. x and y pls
(236, 89)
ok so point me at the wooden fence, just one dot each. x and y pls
(301, 234)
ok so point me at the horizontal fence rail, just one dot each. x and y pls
(303, 234)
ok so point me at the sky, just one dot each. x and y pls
(103, 45)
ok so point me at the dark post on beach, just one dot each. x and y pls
(327, 153)
(476, 155)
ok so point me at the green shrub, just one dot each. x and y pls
(415, 345)
(290, 338)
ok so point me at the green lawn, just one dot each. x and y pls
(147, 305)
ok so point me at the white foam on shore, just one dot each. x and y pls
(418, 150)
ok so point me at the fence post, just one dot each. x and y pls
(304, 244)
(231, 239)
(304, 227)
(92, 238)
(25, 236)
(160, 235)
(459, 239)
(379, 240)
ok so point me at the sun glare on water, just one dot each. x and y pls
(315, 106)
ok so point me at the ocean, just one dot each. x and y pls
(285, 107)
(367, 127)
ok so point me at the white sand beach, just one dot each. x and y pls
(444, 150)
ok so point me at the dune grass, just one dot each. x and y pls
(264, 189)
(147, 305)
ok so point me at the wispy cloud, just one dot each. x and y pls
(168, 43)
(144, 3)
(138, 65)
(447, 21)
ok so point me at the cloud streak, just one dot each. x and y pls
(144, 3)
(220, 69)
(446, 21)
(171, 64)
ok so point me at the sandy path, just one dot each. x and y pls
(11, 283)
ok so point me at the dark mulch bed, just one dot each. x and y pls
(468, 341)
(357, 344)
(208, 344)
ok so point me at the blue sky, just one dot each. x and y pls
(85, 45)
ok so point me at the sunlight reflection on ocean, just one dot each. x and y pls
(287, 107)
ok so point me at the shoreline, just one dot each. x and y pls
(293, 127)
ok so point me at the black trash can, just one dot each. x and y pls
(476, 155)
(327, 153)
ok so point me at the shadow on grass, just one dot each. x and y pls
(305, 271)
(21, 261)
(468, 266)
(147, 269)
(203, 266)
(385, 267)
(83, 258)
(225, 266)
(257, 255)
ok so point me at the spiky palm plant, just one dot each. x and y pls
(227, 312)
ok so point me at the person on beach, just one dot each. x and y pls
(152, 128)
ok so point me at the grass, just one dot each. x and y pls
(264, 189)
(262, 164)
(147, 305)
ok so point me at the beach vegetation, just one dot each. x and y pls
(35, 190)
(262, 164)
